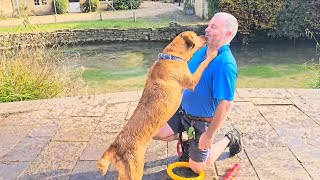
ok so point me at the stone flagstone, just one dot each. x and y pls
(76, 129)
(263, 92)
(112, 123)
(98, 143)
(313, 170)
(276, 163)
(57, 160)
(118, 107)
(225, 163)
(86, 170)
(16, 107)
(27, 149)
(12, 170)
(63, 138)
(270, 101)
(45, 129)
(10, 137)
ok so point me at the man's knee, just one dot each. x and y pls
(197, 167)
(164, 133)
(158, 137)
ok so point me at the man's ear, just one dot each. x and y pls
(228, 34)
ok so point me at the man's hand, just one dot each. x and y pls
(205, 141)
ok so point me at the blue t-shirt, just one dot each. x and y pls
(218, 82)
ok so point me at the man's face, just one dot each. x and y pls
(215, 32)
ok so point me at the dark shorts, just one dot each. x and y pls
(180, 123)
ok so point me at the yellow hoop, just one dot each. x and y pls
(183, 164)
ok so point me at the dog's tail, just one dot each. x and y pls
(105, 160)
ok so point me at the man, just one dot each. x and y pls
(204, 110)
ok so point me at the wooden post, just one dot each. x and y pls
(17, 3)
(134, 13)
(55, 7)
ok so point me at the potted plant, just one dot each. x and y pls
(189, 7)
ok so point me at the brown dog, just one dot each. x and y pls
(161, 98)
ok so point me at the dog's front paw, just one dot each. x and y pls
(212, 55)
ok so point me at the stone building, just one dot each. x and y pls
(36, 7)
(40, 7)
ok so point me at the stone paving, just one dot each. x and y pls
(63, 138)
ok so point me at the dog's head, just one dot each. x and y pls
(185, 45)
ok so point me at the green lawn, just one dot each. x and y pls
(263, 76)
(120, 23)
(275, 76)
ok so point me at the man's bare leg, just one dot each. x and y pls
(217, 150)
(167, 134)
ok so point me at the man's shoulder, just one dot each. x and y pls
(228, 58)
(225, 57)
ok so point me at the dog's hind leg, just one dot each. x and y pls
(136, 167)
(121, 166)
(123, 176)
(129, 171)
(105, 160)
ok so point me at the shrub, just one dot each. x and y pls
(62, 6)
(316, 82)
(94, 5)
(125, 4)
(188, 4)
(313, 64)
(283, 18)
(295, 17)
(37, 73)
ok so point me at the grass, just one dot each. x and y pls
(37, 73)
(277, 76)
(120, 23)
(271, 71)
(101, 81)
(263, 76)
(103, 75)
(315, 68)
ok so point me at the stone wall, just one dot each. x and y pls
(96, 36)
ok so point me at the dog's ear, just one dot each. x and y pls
(189, 38)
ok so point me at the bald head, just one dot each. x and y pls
(231, 23)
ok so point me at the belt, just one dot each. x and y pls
(195, 118)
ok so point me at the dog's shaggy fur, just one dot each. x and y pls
(161, 98)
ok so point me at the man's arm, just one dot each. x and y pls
(224, 88)
(219, 117)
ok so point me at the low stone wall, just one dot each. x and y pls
(96, 35)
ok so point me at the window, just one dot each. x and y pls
(102, 0)
(44, 2)
(36, 2)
